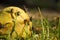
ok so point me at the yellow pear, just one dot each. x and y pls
(15, 18)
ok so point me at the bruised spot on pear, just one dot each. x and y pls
(17, 13)
(30, 18)
(1, 26)
(26, 22)
(12, 10)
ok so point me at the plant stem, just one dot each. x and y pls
(43, 34)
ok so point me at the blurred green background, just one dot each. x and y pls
(49, 4)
